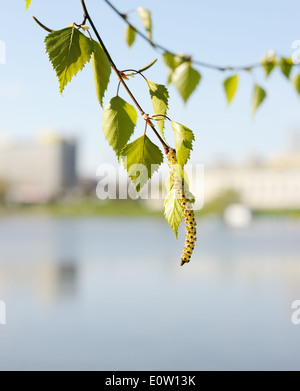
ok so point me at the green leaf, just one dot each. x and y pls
(145, 16)
(230, 86)
(183, 142)
(102, 71)
(258, 97)
(119, 120)
(69, 50)
(141, 159)
(160, 97)
(27, 3)
(130, 34)
(173, 61)
(297, 83)
(269, 64)
(182, 176)
(173, 211)
(185, 79)
(286, 65)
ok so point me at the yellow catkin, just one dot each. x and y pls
(186, 206)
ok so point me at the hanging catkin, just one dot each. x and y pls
(186, 206)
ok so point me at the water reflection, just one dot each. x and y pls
(67, 279)
(45, 280)
(96, 293)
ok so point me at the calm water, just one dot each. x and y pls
(108, 294)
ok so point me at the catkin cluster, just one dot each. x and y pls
(186, 206)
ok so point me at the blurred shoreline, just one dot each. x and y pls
(119, 208)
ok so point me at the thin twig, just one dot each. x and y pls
(42, 25)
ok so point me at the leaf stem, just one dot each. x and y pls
(114, 67)
(135, 72)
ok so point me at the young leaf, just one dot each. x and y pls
(258, 97)
(119, 120)
(286, 65)
(160, 97)
(69, 50)
(130, 34)
(269, 66)
(186, 183)
(27, 3)
(230, 86)
(183, 142)
(185, 79)
(297, 83)
(169, 74)
(102, 71)
(142, 159)
(172, 61)
(145, 16)
(173, 211)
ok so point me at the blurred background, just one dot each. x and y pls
(94, 284)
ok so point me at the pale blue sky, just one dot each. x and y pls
(225, 33)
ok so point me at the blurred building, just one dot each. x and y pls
(274, 184)
(40, 171)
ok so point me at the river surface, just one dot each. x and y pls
(109, 294)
